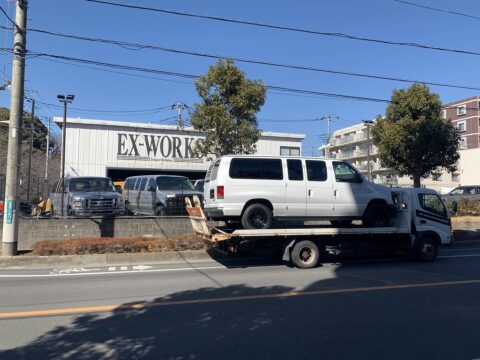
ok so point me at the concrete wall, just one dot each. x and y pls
(32, 230)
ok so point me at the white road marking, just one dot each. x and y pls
(112, 272)
(141, 267)
(71, 270)
(123, 268)
(112, 268)
(458, 256)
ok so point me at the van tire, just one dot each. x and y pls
(257, 216)
(305, 254)
(160, 211)
(426, 249)
(376, 215)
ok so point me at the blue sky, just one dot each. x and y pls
(129, 91)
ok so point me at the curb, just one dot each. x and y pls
(105, 259)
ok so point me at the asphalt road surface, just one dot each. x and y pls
(362, 309)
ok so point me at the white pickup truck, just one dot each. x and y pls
(420, 225)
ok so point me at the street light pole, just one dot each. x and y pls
(368, 123)
(47, 152)
(328, 118)
(65, 99)
(12, 184)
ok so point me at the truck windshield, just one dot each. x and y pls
(89, 185)
(174, 183)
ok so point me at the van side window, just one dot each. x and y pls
(142, 184)
(212, 171)
(151, 184)
(316, 170)
(345, 173)
(126, 186)
(295, 169)
(262, 169)
(137, 183)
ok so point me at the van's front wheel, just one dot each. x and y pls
(257, 216)
(160, 211)
(376, 215)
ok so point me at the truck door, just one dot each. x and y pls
(319, 189)
(295, 189)
(350, 193)
(431, 214)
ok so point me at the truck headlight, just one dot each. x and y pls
(77, 203)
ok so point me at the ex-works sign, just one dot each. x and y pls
(134, 146)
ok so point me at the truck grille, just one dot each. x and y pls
(98, 204)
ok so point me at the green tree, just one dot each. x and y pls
(40, 130)
(227, 112)
(413, 138)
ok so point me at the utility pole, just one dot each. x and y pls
(328, 118)
(12, 184)
(47, 152)
(180, 107)
(65, 99)
(368, 123)
(32, 120)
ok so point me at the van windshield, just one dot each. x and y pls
(89, 185)
(174, 183)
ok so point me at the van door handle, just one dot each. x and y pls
(335, 193)
(310, 193)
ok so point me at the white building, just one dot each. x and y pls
(351, 144)
(120, 149)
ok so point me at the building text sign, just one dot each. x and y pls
(137, 146)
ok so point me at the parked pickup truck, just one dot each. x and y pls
(419, 226)
(85, 196)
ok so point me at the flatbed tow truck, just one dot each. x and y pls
(420, 225)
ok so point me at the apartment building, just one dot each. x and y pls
(465, 116)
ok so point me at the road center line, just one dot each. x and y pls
(290, 294)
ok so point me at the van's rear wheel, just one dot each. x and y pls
(305, 254)
(376, 215)
(257, 216)
(160, 211)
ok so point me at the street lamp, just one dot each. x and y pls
(368, 123)
(65, 99)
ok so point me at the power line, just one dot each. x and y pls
(287, 28)
(190, 76)
(439, 10)
(137, 46)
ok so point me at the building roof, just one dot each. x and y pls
(472, 98)
(149, 126)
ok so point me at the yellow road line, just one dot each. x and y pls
(290, 294)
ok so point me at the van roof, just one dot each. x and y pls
(155, 176)
(279, 157)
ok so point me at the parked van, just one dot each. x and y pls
(256, 190)
(86, 195)
(157, 194)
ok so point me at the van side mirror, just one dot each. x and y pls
(358, 178)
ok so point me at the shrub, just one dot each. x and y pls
(81, 246)
(464, 207)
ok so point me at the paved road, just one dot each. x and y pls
(368, 309)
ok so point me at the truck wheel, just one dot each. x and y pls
(341, 223)
(376, 215)
(160, 211)
(305, 254)
(426, 249)
(257, 216)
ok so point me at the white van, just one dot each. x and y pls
(259, 189)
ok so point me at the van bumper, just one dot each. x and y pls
(213, 213)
